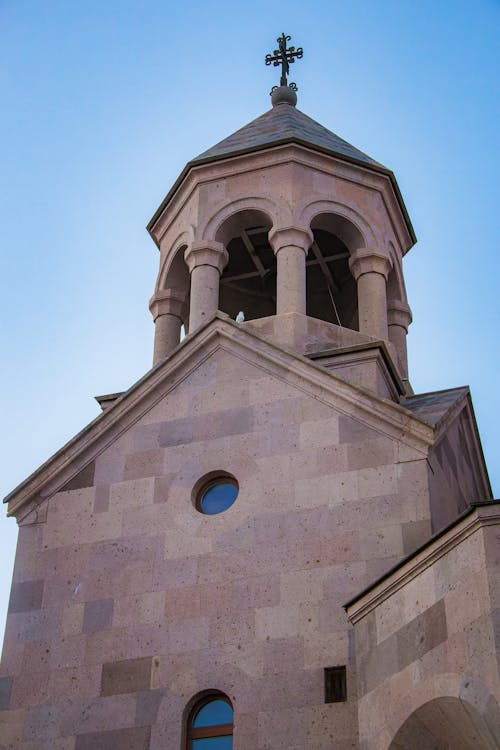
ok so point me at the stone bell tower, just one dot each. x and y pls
(305, 234)
(268, 542)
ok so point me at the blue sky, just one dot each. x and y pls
(104, 103)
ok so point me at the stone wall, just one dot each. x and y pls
(127, 601)
(425, 646)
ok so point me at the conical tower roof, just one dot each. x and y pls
(282, 124)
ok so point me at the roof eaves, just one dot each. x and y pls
(373, 167)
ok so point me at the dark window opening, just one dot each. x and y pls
(335, 685)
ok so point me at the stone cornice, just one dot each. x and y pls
(477, 516)
(220, 332)
(167, 302)
(206, 254)
(382, 181)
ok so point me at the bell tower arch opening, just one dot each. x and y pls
(248, 282)
(170, 305)
(331, 292)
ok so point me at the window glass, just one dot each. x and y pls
(210, 725)
(215, 712)
(218, 497)
(213, 743)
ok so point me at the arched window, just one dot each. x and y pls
(210, 724)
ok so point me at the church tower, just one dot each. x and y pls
(269, 541)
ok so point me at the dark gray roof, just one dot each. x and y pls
(280, 125)
(432, 407)
(284, 124)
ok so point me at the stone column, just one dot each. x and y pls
(166, 308)
(371, 268)
(399, 318)
(206, 262)
(290, 246)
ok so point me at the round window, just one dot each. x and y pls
(217, 495)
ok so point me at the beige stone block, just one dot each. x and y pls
(371, 453)
(174, 405)
(330, 459)
(128, 676)
(281, 655)
(300, 586)
(268, 388)
(282, 411)
(382, 542)
(132, 493)
(210, 400)
(280, 730)
(68, 651)
(61, 743)
(308, 619)
(276, 622)
(179, 544)
(332, 616)
(106, 645)
(246, 656)
(75, 682)
(460, 562)
(143, 609)
(185, 602)
(413, 479)
(190, 634)
(72, 622)
(234, 628)
(326, 649)
(184, 683)
(381, 480)
(330, 489)
(418, 595)
(473, 592)
(320, 433)
(11, 727)
(145, 521)
(73, 518)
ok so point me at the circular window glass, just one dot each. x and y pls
(217, 495)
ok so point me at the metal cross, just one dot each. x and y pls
(284, 57)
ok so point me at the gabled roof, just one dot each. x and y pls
(433, 407)
(220, 332)
(285, 124)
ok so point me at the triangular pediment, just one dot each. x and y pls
(244, 351)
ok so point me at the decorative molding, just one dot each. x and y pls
(478, 516)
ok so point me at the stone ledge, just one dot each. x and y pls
(477, 516)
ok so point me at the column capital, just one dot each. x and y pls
(167, 302)
(290, 237)
(365, 260)
(207, 253)
(399, 314)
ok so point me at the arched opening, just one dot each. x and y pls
(331, 291)
(176, 278)
(248, 283)
(210, 723)
(445, 724)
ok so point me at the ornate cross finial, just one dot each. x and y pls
(284, 57)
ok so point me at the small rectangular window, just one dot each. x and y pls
(335, 685)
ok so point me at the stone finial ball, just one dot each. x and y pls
(283, 95)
